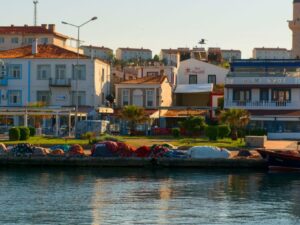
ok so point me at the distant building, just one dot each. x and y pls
(127, 54)
(229, 55)
(214, 55)
(97, 52)
(19, 36)
(271, 53)
(169, 56)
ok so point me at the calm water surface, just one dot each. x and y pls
(136, 196)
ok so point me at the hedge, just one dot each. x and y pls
(224, 131)
(32, 131)
(176, 132)
(14, 134)
(212, 132)
(24, 133)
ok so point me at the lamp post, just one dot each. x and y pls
(77, 65)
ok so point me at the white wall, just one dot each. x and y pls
(202, 69)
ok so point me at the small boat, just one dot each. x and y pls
(283, 160)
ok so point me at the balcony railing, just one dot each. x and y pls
(59, 82)
(284, 80)
(262, 105)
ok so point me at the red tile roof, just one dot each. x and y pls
(44, 51)
(146, 80)
(29, 30)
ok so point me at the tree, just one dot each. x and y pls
(193, 124)
(134, 115)
(236, 119)
(156, 58)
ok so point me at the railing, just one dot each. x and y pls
(263, 104)
(60, 82)
(271, 80)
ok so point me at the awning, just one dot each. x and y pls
(193, 88)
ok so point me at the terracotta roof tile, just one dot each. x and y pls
(146, 80)
(44, 51)
(21, 30)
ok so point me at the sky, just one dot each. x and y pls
(157, 24)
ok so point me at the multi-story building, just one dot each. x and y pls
(195, 82)
(97, 52)
(270, 91)
(169, 56)
(49, 74)
(18, 36)
(127, 54)
(271, 53)
(231, 54)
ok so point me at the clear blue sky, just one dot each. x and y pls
(156, 24)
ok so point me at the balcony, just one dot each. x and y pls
(263, 81)
(59, 82)
(263, 105)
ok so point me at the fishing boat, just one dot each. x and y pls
(286, 160)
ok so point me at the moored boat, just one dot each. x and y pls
(282, 159)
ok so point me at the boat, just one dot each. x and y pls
(282, 160)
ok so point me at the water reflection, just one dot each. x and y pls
(103, 196)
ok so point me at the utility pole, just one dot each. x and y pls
(35, 12)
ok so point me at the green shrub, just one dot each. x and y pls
(32, 131)
(211, 132)
(14, 134)
(224, 131)
(88, 136)
(176, 132)
(24, 133)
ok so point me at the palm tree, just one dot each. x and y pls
(134, 115)
(236, 119)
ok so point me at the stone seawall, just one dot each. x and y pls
(133, 162)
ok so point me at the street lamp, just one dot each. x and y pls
(77, 64)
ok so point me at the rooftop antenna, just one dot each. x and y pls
(35, 12)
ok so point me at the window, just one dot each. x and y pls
(193, 79)
(241, 95)
(264, 95)
(281, 95)
(150, 98)
(2, 40)
(103, 73)
(43, 96)
(15, 40)
(14, 97)
(79, 72)
(15, 71)
(60, 72)
(43, 72)
(125, 97)
(81, 96)
(212, 79)
(44, 41)
(29, 40)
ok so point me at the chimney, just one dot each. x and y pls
(35, 47)
(45, 26)
(51, 27)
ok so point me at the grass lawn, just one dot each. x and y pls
(138, 141)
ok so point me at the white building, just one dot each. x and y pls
(19, 36)
(230, 55)
(271, 53)
(47, 74)
(270, 91)
(127, 54)
(97, 52)
(195, 82)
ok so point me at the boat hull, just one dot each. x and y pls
(281, 160)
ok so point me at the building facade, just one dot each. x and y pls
(127, 54)
(270, 91)
(49, 74)
(271, 53)
(229, 55)
(18, 36)
(97, 52)
(149, 92)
